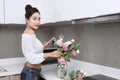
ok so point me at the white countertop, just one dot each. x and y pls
(15, 65)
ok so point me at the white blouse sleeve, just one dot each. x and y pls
(32, 56)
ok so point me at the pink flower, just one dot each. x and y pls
(74, 53)
(61, 60)
(59, 43)
(65, 48)
(79, 77)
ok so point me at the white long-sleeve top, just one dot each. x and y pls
(32, 48)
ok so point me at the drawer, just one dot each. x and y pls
(15, 77)
(4, 78)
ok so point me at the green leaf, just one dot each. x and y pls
(73, 74)
(61, 36)
(70, 55)
(64, 53)
(71, 47)
(60, 49)
(77, 46)
(78, 71)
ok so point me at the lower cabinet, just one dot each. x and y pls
(4, 78)
(11, 77)
(14, 77)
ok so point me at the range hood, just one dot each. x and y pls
(91, 20)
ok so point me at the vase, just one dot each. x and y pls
(62, 70)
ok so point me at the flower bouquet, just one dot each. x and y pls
(69, 49)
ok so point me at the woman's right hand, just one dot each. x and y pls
(56, 54)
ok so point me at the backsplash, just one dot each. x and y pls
(10, 39)
(100, 42)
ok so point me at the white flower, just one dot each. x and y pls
(84, 74)
(78, 51)
(67, 43)
(61, 39)
(81, 71)
(72, 40)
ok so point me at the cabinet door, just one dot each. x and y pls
(15, 77)
(4, 78)
(1, 12)
(15, 10)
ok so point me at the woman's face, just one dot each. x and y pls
(34, 21)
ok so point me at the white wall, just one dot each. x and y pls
(59, 10)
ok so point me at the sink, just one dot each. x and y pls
(99, 77)
(2, 69)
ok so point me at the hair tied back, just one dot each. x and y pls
(28, 7)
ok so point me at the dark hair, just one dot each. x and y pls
(30, 10)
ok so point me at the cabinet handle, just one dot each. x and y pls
(3, 76)
(15, 75)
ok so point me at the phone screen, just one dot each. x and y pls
(52, 40)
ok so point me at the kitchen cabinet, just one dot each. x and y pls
(15, 10)
(1, 12)
(11, 77)
(4, 78)
(15, 77)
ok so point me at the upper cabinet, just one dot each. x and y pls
(1, 12)
(15, 10)
(62, 10)
(56, 10)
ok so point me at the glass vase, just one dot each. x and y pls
(62, 70)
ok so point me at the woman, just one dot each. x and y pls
(32, 48)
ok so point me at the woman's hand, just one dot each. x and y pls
(54, 54)
(46, 44)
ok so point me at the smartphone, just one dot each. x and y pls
(52, 40)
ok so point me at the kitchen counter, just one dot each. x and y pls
(49, 71)
(15, 65)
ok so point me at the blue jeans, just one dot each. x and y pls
(31, 74)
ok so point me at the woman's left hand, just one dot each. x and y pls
(46, 44)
